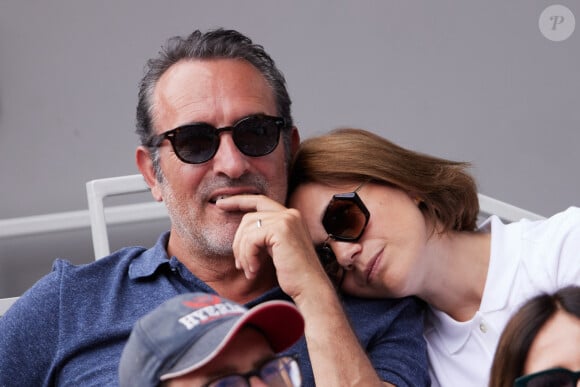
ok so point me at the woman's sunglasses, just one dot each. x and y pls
(255, 136)
(345, 219)
(554, 377)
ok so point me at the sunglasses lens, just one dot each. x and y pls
(282, 372)
(553, 379)
(344, 219)
(257, 135)
(196, 143)
(330, 264)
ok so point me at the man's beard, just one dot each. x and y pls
(195, 229)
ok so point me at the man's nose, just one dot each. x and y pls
(257, 382)
(229, 160)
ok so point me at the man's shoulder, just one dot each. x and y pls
(98, 297)
(117, 261)
(379, 305)
(71, 284)
(383, 311)
(101, 270)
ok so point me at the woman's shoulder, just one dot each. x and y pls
(551, 248)
(558, 226)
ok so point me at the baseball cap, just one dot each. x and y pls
(188, 331)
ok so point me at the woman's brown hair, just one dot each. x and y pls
(521, 330)
(448, 194)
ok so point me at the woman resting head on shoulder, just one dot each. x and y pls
(391, 222)
(396, 206)
(540, 346)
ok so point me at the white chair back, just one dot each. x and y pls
(6, 303)
(508, 213)
(99, 189)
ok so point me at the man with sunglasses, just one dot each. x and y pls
(217, 136)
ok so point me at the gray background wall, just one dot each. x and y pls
(464, 80)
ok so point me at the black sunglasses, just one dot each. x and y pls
(345, 219)
(553, 377)
(255, 136)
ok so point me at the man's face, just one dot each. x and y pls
(246, 352)
(218, 92)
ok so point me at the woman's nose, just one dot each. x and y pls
(345, 253)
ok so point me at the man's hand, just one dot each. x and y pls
(270, 231)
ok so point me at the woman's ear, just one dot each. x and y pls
(144, 160)
(415, 198)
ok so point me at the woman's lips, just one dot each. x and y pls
(372, 266)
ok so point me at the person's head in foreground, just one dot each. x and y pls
(199, 339)
(362, 196)
(540, 345)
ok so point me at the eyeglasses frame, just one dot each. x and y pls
(256, 372)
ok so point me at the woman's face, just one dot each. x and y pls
(556, 345)
(385, 260)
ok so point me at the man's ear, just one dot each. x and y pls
(144, 161)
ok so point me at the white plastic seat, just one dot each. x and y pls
(99, 189)
(6, 303)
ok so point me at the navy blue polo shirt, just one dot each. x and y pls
(69, 329)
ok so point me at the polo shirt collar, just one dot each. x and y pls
(150, 260)
(146, 264)
(505, 255)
